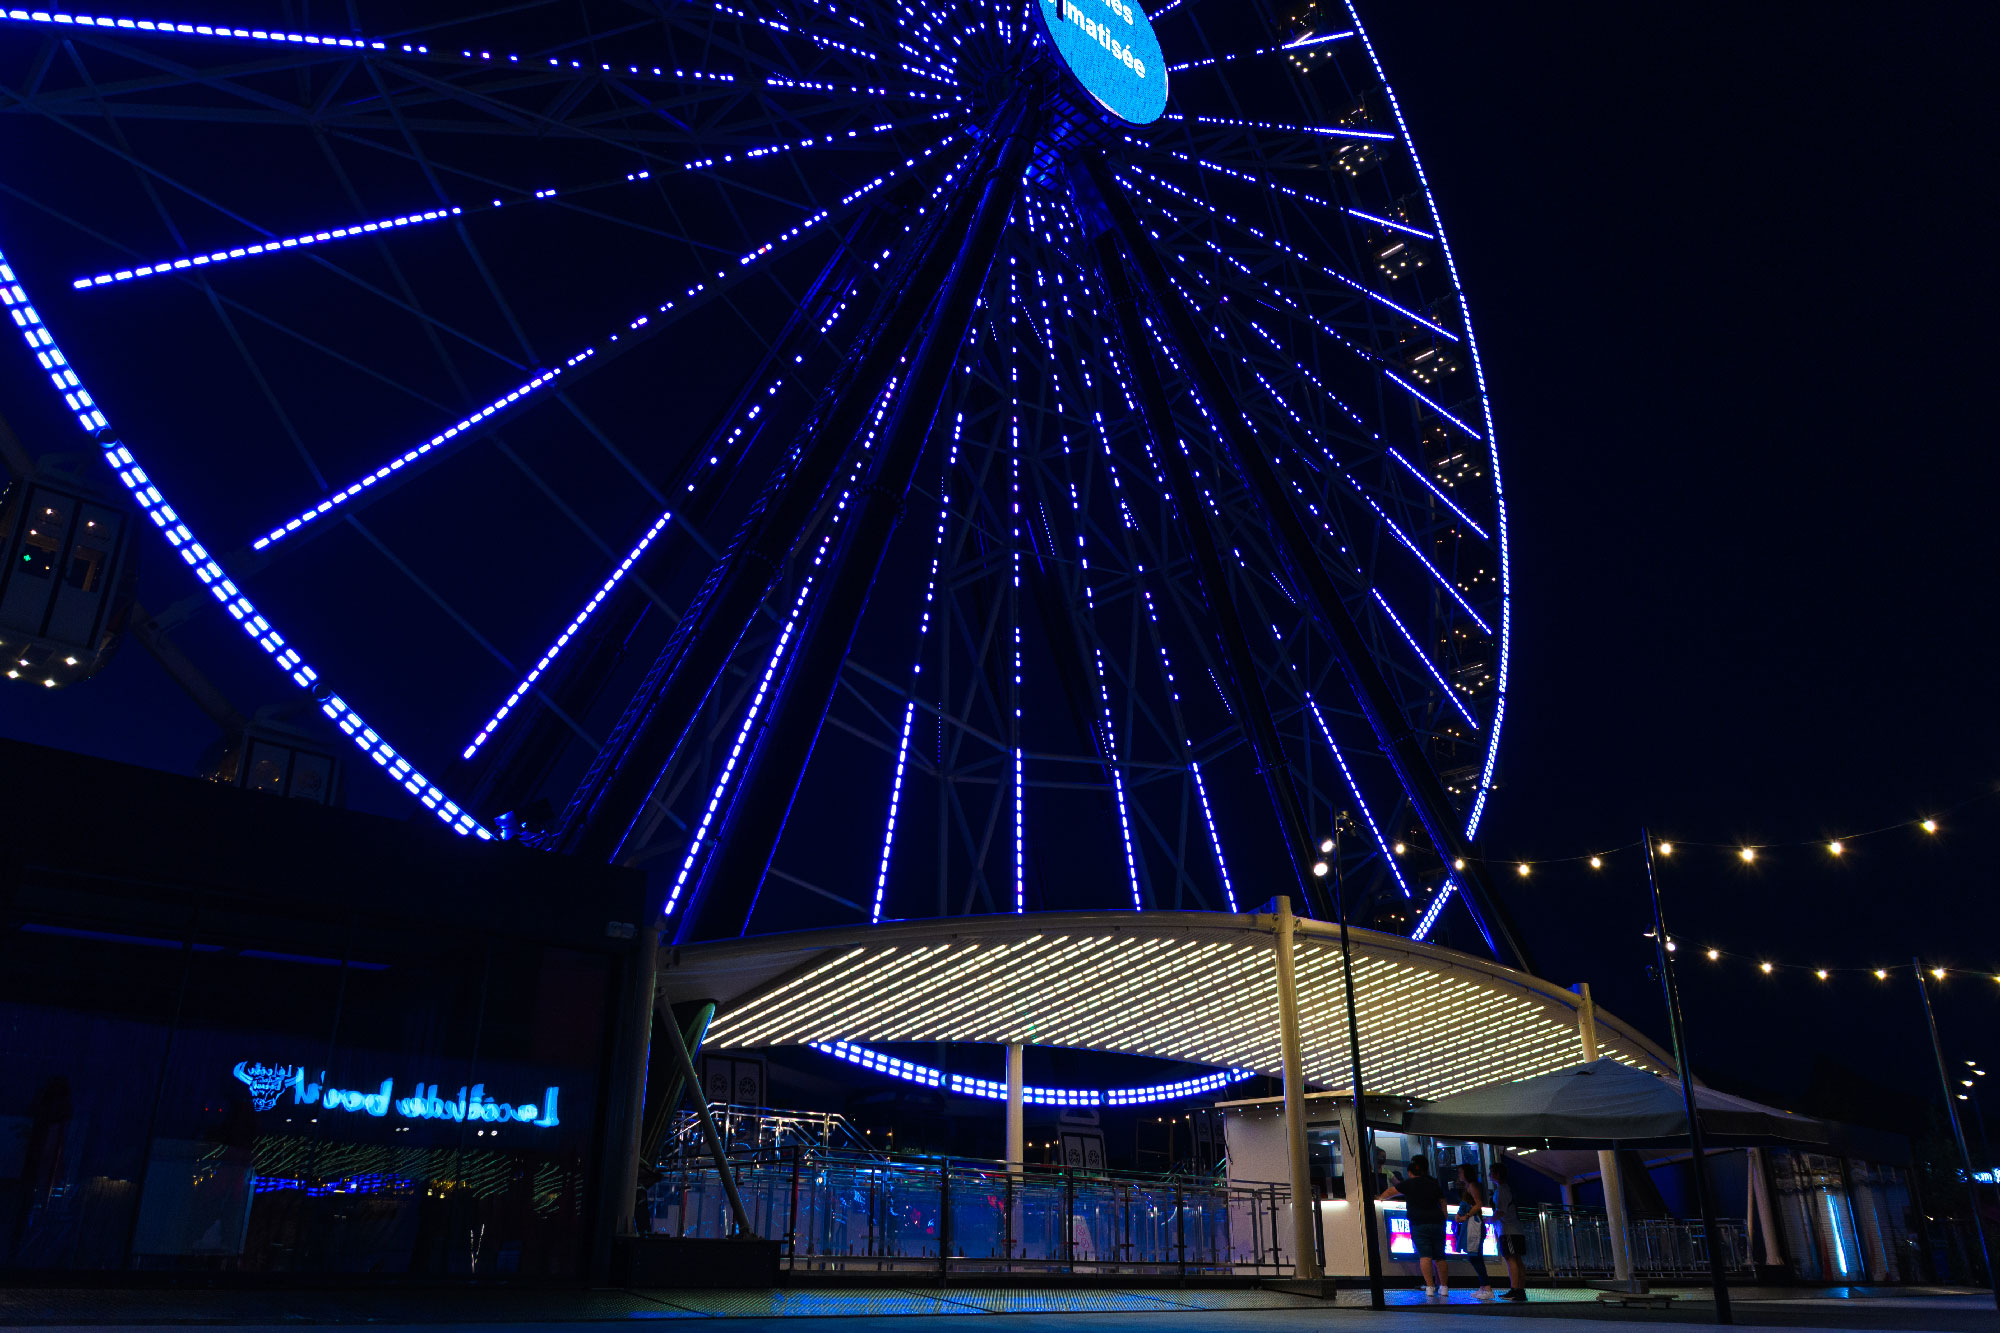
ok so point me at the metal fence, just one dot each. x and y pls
(849, 1212)
(841, 1210)
(1563, 1243)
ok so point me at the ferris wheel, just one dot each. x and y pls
(855, 460)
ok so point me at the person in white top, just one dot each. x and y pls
(1472, 1226)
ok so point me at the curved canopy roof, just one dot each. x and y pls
(1193, 986)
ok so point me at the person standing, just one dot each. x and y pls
(1423, 1200)
(1513, 1240)
(1472, 1226)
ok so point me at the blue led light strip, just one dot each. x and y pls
(546, 378)
(1433, 912)
(698, 840)
(1492, 446)
(1265, 182)
(1341, 759)
(916, 669)
(708, 813)
(1260, 51)
(305, 239)
(1276, 244)
(562, 639)
(1108, 737)
(1174, 700)
(1014, 588)
(1431, 403)
(1432, 487)
(1436, 675)
(996, 1089)
(1214, 838)
(409, 456)
(206, 568)
(164, 28)
(1337, 131)
(266, 247)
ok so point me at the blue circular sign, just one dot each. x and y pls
(1109, 45)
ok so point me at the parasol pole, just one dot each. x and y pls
(1712, 1233)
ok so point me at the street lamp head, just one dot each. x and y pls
(1319, 869)
(1326, 845)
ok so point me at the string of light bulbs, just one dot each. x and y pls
(1747, 853)
(1768, 966)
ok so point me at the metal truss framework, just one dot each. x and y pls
(940, 525)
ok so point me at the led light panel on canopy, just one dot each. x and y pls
(813, 453)
(1194, 987)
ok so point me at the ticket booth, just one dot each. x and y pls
(1255, 1133)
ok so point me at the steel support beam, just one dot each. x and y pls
(1248, 701)
(660, 722)
(1398, 739)
(513, 768)
(726, 892)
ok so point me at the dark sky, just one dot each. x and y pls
(1732, 269)
(1732, 275)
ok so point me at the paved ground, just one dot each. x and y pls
(1007, 1310)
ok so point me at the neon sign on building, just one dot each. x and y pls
(268, 1085)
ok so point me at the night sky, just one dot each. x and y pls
(1733, 291)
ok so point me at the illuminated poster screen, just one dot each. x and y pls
(1403, 1246)
(1109, 45)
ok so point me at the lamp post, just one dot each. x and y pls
(1978, 1110)
(1364, 1179)
(1723, 1314)
(1957, 1130)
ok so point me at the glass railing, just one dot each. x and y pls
(849, 1212)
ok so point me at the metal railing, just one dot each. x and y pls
(1566, 1243)
(847, 1212)
(763, 1131)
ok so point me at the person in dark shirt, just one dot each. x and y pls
(1423, 1199)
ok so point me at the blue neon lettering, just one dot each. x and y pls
(269, 1083)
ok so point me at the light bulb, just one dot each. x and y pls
(1400, 849)
(1747, 853)
(1326, 846)
(1930, 826)
(1714, 954)
(1319, 868)
(1597, 863)
(1666, 849)
(1765, 968)
(1522, 870)
(1938, 972)
(1458, 864)
(1835, 847)
(1820, 973)
(1881, 974)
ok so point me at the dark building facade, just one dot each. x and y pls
(246, 1034)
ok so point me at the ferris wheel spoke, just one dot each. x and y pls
(371, 486)
(717, 449)
(1360, 289)
(151, 501)
(384, 227)
(1264, 181)
(1367, 496)
(1213, 61)
(1353, 440)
